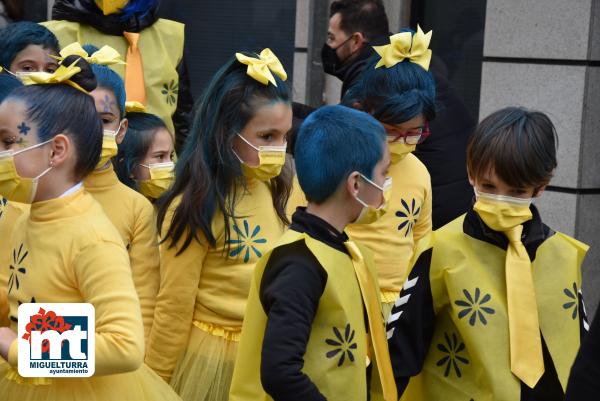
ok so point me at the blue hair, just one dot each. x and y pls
(8, 83)
(208, 174)
(138, 8)
(333, 142)
(16, 37)
(108, 79)
(396, 94)
(60, 108)
(140, 134)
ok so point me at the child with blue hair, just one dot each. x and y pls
(65, 249)
(130, 212)
(313, 328)
(399, 91)
(224, 210)
(27, 47)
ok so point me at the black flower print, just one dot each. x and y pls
(16, 268)
(170, 91)
(344, 345)
(408, 216)
(451, 358)
(572, 301)
(474, 307)
(3, 203)
(14, 318)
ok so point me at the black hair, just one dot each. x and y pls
(140, 134)
(8, 83)
(365, 16)
(517, 144)
(62, 109)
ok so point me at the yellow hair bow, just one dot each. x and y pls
(62, 75)
(405, 45)
(105, 56)
(263, 67)
(134, 107)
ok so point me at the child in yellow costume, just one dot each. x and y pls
(313, 328)
(492, 309)
(130, 212)
(156, 74)
(398, 90)
(65, 249)
(224, 211)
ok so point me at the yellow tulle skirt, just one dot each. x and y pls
(205, 370)
(142, 384)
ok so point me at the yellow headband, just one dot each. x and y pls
(404, 46)
(62, 75)
(105, 56)
(134, 107)
(263, 67)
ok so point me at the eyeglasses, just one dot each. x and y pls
(413, 137)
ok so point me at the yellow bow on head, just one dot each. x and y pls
(134, 107)
(62, 75)
(263, 67)
(405, 45)
(105, 56)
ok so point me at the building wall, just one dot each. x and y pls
(544, 54)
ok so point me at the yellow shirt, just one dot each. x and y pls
(66, 250)
(392, 238)
(161, 47)
(9, 213)
(210, 285)
(133, 216)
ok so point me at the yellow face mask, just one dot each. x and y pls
(14, 187)
(111, 6)
(501, 213)
(109, 146)
(370, 214)
(271, 161)
(161, 178)
(399, 150)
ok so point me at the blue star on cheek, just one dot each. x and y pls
(23, 128)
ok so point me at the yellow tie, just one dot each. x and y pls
(376, 325)
(526, 360)
(134, 71)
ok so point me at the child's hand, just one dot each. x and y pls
(7, 336)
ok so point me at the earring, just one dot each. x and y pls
(51, 163)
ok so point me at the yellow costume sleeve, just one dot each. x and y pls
(424, 226)
(174, 312)
(145, 263)
(103, 274)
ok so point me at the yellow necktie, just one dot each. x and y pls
(376, 325)
(134, 71)
(526, 360)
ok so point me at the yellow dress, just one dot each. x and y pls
(133, 217)
(67, 251)
(9, 213)
(393, 237)
(202, 298)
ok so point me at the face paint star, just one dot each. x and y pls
(23, 128)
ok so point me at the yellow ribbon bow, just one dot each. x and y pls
(405, 45)
(105, 56)
(263, 67)
(62, 75)
(134, 107)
